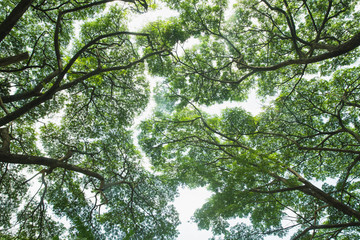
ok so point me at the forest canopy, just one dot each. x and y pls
(74, 78)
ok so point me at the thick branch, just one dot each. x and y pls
(36, 91)
(44, 161)
(327, 226)
(5, 137)
(340, 50)
(3, 106)
(314, 191)
(14, 59)
(56, 41)
(56, 88)
(13, 18)
(27, 107)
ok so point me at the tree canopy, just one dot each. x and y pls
(67, 108)
(74, 78)
(292, 168)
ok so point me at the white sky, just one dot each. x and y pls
(186, 204)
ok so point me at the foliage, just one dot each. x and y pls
(69, 168)
(292, 166)
(263, 44)
(73, 80)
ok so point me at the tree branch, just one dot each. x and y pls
(327, 226)
(290, 23)
(278, 190)
(14, 59)
(348, 171)
(314, 191)
(44, 161)
(56, 88)
(13, 18)
(36, 91)
(341, 49)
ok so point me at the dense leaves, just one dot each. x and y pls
(263, 43)
(291, 169)
(69, 168)
(262, 167)
(73, 78)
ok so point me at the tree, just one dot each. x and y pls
(78, 63)
(67, 103)
(296, 160)
(264, 44)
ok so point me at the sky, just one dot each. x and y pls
(188, 201)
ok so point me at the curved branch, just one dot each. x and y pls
(56, 88)
(327, 226)
(56, 40)
(314, 191)
(95, 40)
(341, 49)
(36, 91)
(104, 70)
(348, 171)
(58, 163)
(290, 23)
(311, 16)
(328, 149)
(44, 161)
(58, 27)
(289, 189)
